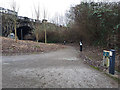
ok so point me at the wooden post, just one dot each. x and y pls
(15, 31)
(44, 21)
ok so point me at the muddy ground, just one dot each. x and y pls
(10, 47)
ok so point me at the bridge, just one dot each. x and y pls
(24, 26)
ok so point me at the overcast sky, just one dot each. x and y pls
(53, 7)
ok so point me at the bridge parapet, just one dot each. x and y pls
(23, 23)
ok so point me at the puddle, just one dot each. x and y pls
(6, 63)
(70, 58)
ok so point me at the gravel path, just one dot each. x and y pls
(59, 69)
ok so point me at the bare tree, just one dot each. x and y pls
(37, 23)
(62, 20)
(44, 21)
(56, 18)
(15, 10)
(59, 19)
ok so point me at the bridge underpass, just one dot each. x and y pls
(23, 31)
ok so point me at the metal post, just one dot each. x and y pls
(45, 31)
(112, 62)
(21, 35)
(0, 24)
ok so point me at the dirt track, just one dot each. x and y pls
(58, 69)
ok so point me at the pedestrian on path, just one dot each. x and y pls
(64, 42)
(81, 46)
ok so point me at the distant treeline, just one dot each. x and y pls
(95, 23)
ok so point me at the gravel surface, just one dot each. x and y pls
(58, 69)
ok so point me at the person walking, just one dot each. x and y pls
(81, 46)
(64, 42)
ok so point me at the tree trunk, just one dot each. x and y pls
(37, 37)
(15, 32)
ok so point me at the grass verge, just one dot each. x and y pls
(109, 75)
(96, 68)
(115, 78)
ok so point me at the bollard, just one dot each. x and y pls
(112, 62)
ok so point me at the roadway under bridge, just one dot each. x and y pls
(23, 31)
(24, 27)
